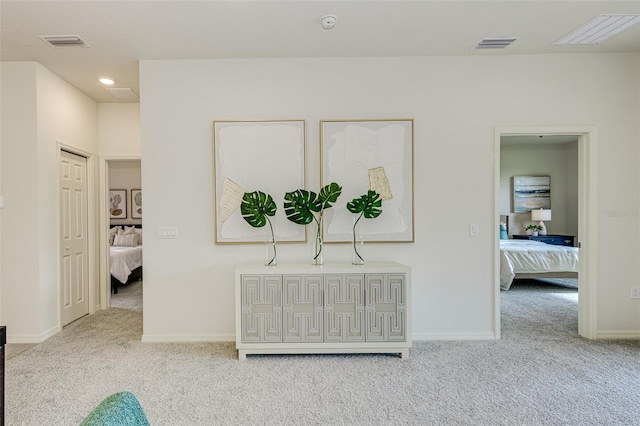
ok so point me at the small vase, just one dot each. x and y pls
(316, 246)
(270, 253)
(316, 252)
(358, 244)
(534, 233)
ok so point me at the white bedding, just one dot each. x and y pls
(525, 256)
(124, 260)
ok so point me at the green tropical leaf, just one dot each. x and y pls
(369, 204)
(329, 195)
(255, 208)
(299, 206)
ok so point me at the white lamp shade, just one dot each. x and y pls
(541, 214)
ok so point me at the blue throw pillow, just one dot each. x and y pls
(121, 409)
(503, 231)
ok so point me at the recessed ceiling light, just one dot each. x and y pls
(107, 81)
(599, 29)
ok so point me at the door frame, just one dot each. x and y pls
(587, 220)
(91, 226)
(105, 276)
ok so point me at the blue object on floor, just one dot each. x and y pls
(119, 409)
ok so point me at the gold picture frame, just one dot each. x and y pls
(256, 155)
(357, 153)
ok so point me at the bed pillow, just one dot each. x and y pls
(131, 230)
(122, 240)
(113, 232)
(503, 231)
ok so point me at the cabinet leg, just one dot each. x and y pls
(242, 356)
(404, 354)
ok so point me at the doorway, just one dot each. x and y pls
(587, 218)
(122, 176)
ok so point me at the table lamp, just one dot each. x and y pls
(541, 215)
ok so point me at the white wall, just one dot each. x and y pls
(119, 129)
(19, 280)
(50, 112)
(560, 162)
(456, 103)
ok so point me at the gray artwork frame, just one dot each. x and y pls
(531, 193)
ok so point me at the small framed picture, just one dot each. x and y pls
(118, 204)
(136, 204)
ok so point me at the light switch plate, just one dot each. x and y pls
(166, 232)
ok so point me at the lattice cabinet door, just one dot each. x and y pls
(261, 297)
(385, 307)
(302, 308)
(344, 308)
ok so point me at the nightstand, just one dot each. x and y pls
(558, 240)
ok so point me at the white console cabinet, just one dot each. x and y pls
(334, 308)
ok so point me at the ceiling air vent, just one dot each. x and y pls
(495, 43)
(122, 92)
(65, 41)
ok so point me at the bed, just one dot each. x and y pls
(125, 246)
(533, 259)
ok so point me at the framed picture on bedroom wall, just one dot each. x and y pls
(369, 154)
(531, 193)
(118, 204)
(248, 156)
(136, 204)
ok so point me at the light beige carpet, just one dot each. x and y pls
(540, 373)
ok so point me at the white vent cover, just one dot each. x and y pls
(122, 92)
(599, 29)
(495, 43)
(64, 41)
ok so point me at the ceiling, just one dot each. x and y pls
(121, 33)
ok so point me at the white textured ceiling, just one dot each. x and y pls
(123, 32)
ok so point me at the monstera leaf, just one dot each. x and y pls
(256, 207)
(369, 205)
(299, 206)
(329, 195)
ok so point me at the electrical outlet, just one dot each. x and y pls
(635, 292)
(474, 229)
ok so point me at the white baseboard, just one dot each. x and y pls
(172, 338)
(453, 336)
(32, 338)
(618, 335)
(51, 332)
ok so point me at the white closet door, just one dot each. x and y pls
(74, 248)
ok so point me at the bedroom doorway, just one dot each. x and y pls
(122, 216)
(584, 211)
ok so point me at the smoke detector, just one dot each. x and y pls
(328, 21)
